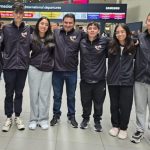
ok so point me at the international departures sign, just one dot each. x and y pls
(83, 12)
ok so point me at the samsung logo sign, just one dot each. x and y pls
(112, 8)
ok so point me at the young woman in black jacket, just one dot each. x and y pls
(40, 73)
(120, 79)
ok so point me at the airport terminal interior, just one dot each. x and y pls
(63, 136)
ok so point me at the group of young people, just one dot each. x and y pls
(51, 58)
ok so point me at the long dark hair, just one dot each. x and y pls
(48, 35)
(114, 45)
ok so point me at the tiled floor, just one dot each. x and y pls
(63, 136)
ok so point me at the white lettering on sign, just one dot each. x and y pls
(112, 8)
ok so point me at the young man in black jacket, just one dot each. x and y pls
(0, 57)
(0, 48)
(15, 47)
(0, 64)
(65, 68)
(142, 83)
(93, 53)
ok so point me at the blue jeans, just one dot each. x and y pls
(70, 78)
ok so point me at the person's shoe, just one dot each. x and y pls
(54, 120)
(114, 131)
(44, 124)
(7, 125)
(73, 122)
(137, 137)
(32, 125)
(19, 123)
(122, 134)
(97, 126)
(84, 124)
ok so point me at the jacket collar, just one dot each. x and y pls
(94, 41)
(21, 25)
(70, 32)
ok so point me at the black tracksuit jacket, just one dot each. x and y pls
(42, 56)
(93, 59)
(142, 63)
(15, 46)
(121, 68)
(66, 49)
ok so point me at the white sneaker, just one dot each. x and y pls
(44, 124)
(114, 131)
(7, 125)
(19, 123)
(32, 125)
(122, 134)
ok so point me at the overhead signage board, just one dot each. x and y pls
(83, 12)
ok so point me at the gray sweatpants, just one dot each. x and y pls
(142, 100)
(40, 87)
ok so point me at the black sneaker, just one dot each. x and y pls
(73, 122)
(84, 124)
(97, 126)
(54, 120)
(137, 137)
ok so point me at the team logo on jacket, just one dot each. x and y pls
(24, 34)
(98, 47)
(73, 38)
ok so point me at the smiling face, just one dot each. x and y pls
(121, 34)
(92, 31)
(43, 26)
(18, 12)
(18, 16)
(148, 23)
(68, 24)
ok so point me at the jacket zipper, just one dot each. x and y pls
(146, 68)
(42, 48)
(120, 67)
(17, 48)
(65, 51)
(91, 60)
